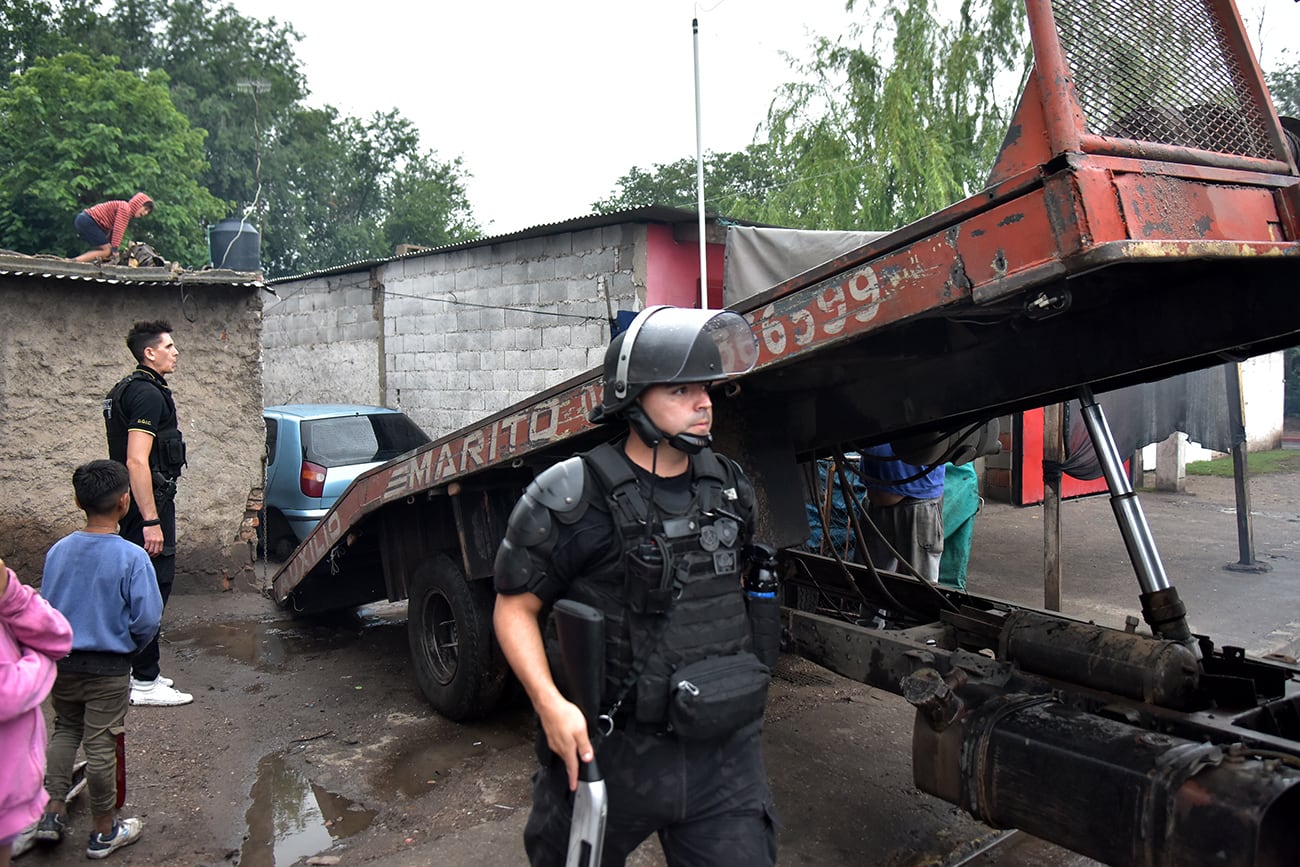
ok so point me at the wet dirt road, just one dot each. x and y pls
(308, 739)
(311, 741)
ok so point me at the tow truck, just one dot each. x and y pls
(1145, 169)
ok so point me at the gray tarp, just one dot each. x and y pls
(1195, 403)
(758, 259)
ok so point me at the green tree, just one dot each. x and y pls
(735, 184)
(427, 204)
(323, 188)
(75, 131)
(875, 133)
(876, 136)
(1284, 83)
(25, 34)
(233, 76)
(236, 77)
(342, 190)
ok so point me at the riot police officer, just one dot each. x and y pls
(651, 530)
(143, 433)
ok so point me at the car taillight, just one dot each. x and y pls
(312, 479)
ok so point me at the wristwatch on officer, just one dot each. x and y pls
(152, 522)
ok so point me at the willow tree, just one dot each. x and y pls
(1284, 82)
(893, 120)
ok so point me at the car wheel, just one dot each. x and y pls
(458, 665)
(283, 541)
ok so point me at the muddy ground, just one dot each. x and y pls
(311, 740)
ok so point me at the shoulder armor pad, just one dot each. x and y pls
(530, 521)
(522, 558)
(559, 488)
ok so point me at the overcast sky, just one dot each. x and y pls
(549, 103)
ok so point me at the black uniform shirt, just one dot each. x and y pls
(144, 408)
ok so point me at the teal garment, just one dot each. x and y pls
(961, 501)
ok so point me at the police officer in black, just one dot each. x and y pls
(652, 531)
(143, 433)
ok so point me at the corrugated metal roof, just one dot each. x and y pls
(55, 268)
(651, 214)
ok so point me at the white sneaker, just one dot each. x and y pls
(163, 679)
(124, 833)
(24, 841)
(155, 693)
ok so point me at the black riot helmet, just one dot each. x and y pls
(666, 345)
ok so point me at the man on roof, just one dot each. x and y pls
(102, 226)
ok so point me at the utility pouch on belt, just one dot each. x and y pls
(716, 696)
(170, 452)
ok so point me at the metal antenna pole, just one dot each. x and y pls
(253, 86)
(699, 172)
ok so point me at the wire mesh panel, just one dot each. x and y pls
(1161, 71)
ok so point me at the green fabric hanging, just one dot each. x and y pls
(961, 502)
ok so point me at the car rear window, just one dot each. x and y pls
(359, 439)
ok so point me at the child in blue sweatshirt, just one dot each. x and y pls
(105, 587)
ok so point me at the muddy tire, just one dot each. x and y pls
(458, 666)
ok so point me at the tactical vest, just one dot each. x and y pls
(684, 605)
(167, 456)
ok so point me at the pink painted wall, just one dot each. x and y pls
(672, 271)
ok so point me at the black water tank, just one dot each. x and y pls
(234, 244)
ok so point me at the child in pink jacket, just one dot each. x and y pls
(33, 635)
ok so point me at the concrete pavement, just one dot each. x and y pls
(1196, 536)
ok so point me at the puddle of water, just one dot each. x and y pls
(248, 643)
(418, 765)
(264, 646)
(293, 818)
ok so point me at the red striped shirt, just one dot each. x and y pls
(113, 216)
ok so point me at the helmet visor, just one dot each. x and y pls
(676, 344)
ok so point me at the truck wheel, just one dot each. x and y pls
(449, 624)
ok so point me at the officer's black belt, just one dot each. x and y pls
(627, 722)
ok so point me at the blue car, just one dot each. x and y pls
(313, 452)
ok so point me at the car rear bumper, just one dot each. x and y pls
(303, 521)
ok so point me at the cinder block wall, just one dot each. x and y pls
(465, 332)
(63, 347)
(322, 339)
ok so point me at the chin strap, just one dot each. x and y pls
(651, 435)
(690, 443)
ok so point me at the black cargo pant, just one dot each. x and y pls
(146, 663)
(708, 801)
